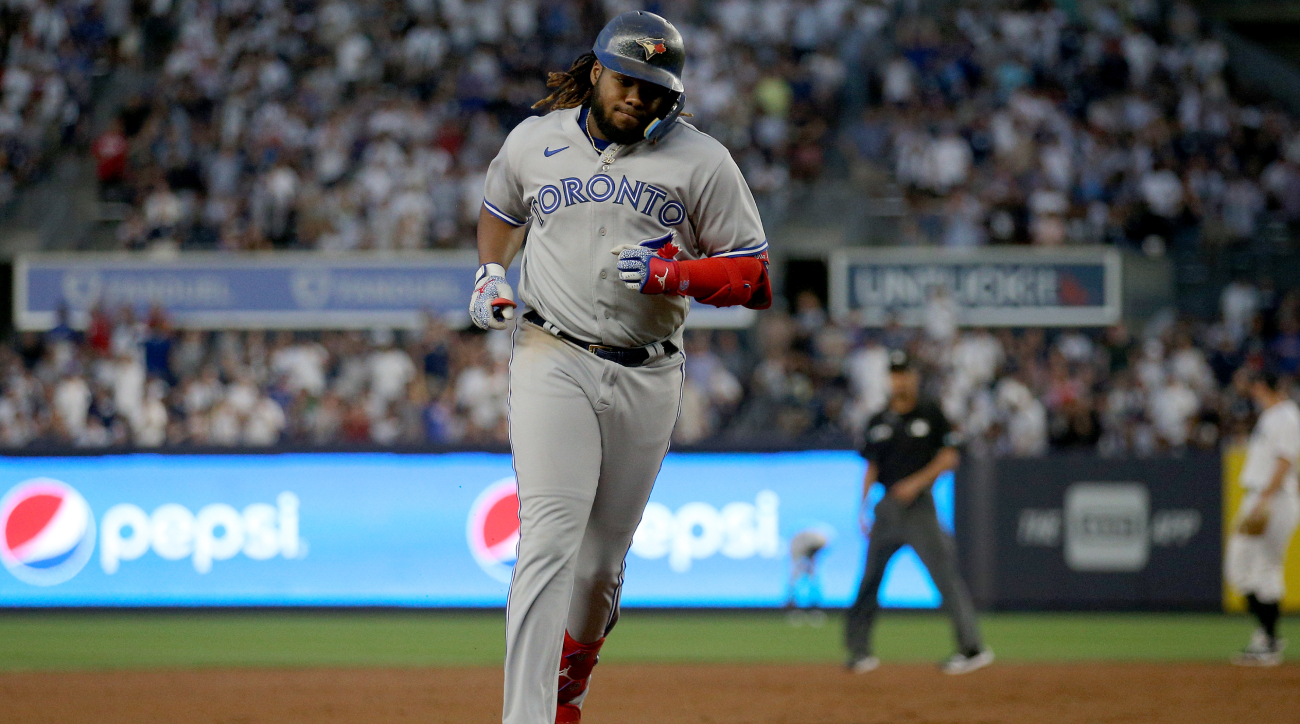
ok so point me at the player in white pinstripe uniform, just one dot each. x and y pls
(1256, 553)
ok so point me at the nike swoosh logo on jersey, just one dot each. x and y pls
(548, 152)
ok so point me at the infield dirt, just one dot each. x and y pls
(659, 694)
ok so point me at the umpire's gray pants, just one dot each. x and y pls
(588, 437)
(916, 525)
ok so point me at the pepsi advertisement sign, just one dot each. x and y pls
(379, 529)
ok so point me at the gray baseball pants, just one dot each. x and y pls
(916, 525)
(588, 437)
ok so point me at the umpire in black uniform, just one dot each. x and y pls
(908, 446)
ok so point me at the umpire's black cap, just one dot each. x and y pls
(899, 361)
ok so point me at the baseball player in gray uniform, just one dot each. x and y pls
(624, 213)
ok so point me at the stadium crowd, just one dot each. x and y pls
(51, 51)
(345, 125)
(1116, 125)
(795, 379)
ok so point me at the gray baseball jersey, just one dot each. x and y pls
(582, 203)
(589, 435)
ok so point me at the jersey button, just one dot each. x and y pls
(602, 275)
(608, 314)
(602, 231)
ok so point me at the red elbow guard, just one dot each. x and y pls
(718, 281)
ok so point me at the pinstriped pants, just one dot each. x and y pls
(588, 437)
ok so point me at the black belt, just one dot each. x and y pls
(626, 356)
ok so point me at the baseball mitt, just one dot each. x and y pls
(1255, 523)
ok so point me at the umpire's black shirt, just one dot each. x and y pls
(900, 445)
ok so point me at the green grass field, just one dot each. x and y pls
(64, 641)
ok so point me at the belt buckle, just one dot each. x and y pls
(606, 352)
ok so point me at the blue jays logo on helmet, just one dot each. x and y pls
(653, 46)
(645, 46)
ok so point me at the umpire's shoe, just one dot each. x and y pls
(966, 663)
(862, 664)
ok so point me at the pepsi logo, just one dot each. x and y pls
(47, 531)
(493, 529)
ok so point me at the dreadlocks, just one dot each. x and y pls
(572, 87)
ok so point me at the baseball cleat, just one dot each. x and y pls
(1260, 652)
(1260, 641)
(963, 664)
(862, 664)
(576, 662)
(1258, 658)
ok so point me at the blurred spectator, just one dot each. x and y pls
(264, 422)
(391, 369)
(110, 152)
(1026, 420)
(302, 363)
(72, 404)
(1173, 406)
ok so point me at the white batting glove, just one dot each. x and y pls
(493, 302)
(633, 264)
(645, 269)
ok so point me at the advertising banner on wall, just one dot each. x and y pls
(1088, 532)
(284, 290)
(988, 287)
(410, 530)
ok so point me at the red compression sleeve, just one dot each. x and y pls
(718, 281)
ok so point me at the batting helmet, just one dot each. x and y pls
(645, 46)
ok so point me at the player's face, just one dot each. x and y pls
(906, 385)
(622, 106)
(1262, 395)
